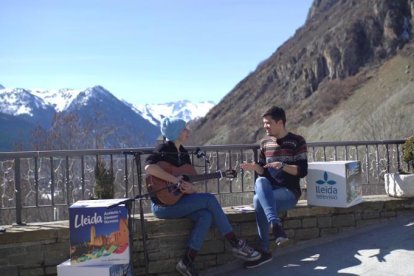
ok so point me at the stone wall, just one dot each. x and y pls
(36, 249)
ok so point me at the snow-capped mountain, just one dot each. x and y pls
(23, 104)
(20, 101)
(60, 99)
(182, 109)
(119, 123)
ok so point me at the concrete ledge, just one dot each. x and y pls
(36, 248)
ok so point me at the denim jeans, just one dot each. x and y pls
(268, 202)
(203, 209)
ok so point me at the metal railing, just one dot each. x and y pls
(39, 186)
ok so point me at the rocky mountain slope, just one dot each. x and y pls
(381, 108)
(348, 66)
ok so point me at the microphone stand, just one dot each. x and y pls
(128, 204)
(201, 154)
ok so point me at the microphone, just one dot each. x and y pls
(201, 154)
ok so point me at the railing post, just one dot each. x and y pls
(67, 181)
(256, 158)
(126, 175)
(18, 191)
(398, 159)
(36, 176)
(141, 210)
(52, 181)
(83, 177)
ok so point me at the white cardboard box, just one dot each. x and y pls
(334, 183)
(67, 269)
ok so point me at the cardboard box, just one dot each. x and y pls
(334, 183)
(98, 234)
(67, 269)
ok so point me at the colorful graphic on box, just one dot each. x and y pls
(325, 188)
(98, 232)
(353, 174)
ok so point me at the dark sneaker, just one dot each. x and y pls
(279, 233)
(186, 270)
(243, 251)
(265, 258)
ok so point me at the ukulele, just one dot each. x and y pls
(169, 193)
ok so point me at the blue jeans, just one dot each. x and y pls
(268, 202)
(203, 209)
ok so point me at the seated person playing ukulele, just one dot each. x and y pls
(202, 208)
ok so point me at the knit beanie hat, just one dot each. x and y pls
(172, 128)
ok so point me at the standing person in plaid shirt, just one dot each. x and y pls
(282, 162)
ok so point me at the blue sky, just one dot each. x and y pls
(143, 51)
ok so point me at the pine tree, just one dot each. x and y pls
(104, 188)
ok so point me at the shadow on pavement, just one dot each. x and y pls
(383, 249)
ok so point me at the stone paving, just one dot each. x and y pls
(383, 249)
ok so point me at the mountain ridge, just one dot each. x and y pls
(323, 64)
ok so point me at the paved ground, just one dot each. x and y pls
(384, 249)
